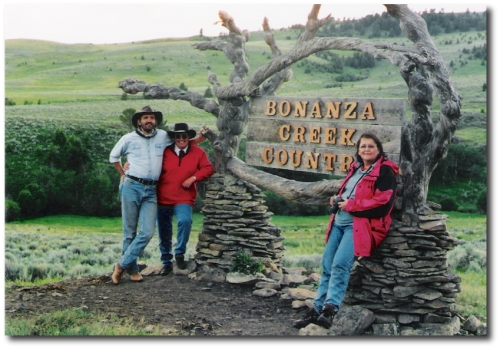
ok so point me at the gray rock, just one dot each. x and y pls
(351, 321)
(408, 318)
(265, 292)
(207, 273)
(267, 284)
(244, 279)
(455, 325)
(482, 330)
(313, 330)
(301, 294)
(293, 279)
(471, 324)
(297, 304)
(429, 330)
(391, 329)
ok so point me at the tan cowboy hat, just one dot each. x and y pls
(147, 110)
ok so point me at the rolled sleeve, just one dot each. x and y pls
(117, 151)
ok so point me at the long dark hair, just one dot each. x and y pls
(377, 142)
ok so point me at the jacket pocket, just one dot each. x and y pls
(380, 224)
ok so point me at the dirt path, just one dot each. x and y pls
(174, 304)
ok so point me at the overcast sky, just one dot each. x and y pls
(123, 21)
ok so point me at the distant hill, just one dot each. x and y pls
(41, 72)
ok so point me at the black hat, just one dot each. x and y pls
(147, 110)
(182, 128)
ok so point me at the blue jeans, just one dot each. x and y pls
(184, 214)
(337, 262)
(138, 207)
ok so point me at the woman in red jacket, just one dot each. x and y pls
(361, 218)
(184, 164)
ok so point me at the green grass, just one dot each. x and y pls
(466, 226)
(472, 298)
(68, 224)
(303, 235)
(73, 322)
(472, 135)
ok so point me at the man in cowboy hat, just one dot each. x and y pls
(144, 150)
(184, 164)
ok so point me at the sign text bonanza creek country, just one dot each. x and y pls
(319, 134)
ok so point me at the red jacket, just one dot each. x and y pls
(371, 206)
(175, 171)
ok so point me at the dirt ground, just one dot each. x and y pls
(174, 304)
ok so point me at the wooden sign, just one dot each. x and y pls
(319, 134)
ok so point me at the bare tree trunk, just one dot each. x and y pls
(423, 144)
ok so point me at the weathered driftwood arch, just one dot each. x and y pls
(423, 143)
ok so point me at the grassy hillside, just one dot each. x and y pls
(51, 73)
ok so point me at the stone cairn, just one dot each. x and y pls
(236, 219)
(407, 279)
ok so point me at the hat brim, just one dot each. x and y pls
(158, 116)
(191, 133)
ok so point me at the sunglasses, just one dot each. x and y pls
(181, 135)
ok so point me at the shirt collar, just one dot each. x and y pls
(142, 134)
(177, 150)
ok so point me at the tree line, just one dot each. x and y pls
(383, 25)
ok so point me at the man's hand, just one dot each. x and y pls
(189, 182)
(201, 136)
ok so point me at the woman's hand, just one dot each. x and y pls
(343, 204)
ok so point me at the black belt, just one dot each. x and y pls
(143, 181)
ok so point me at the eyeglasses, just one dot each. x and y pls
(181, 135)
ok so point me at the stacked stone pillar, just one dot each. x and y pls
(407, 279)
(236, 219)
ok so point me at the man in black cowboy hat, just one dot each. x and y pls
(184, 164)
(144, 150)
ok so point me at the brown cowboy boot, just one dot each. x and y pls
(136, 277)
(117, 274)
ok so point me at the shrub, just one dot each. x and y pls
(310, 261)
(12, 210)
(13, 271)
(462, 256)
(126, 117)
(183, 87)
(37, 271)
(448, 204)
(245, 264)
(481, 200)
(9, 102)
(208, 93)
(464, 162)
(32, 200)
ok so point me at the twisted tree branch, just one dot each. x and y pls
(310, 193)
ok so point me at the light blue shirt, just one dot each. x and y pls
(342, 217)
(144, 155)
